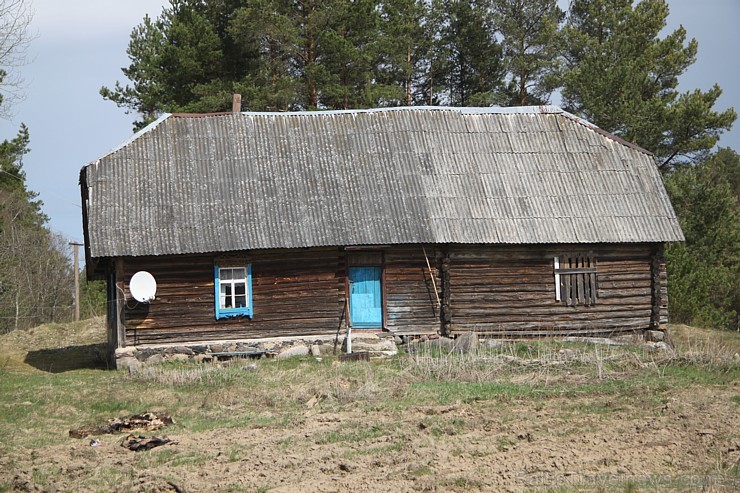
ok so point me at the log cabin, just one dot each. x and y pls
(509, 222)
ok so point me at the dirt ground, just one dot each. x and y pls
(483, 446)
(679, 438)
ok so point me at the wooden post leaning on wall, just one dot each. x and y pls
(120, 303)
(445, 309)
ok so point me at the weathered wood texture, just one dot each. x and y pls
(410, 299)
(496, 290)
(510, 291)
(295, 293)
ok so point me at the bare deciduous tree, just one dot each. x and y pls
(15, 38)
(35, 272)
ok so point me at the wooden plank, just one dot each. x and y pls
(581, 294)
(576, 270)
(567, 290)
(592, 291)
(120, 317)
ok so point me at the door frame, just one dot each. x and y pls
(369, 257)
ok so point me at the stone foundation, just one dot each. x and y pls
(377, 344)
(132, 357)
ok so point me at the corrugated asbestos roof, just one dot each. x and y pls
(210, 183)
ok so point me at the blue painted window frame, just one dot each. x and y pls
(245, 311)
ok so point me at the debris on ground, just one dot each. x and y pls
(89, 430)
(140, 442)
(146, 421)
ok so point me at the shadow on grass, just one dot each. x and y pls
(59, 360)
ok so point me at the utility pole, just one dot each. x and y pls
(77, 280)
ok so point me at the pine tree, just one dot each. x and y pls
(622, 77)
(348, 52)
(466, 67)
(529, 30)
(175, 61)
(12, 176)
(704, 271)
(404, 44)
(309, 19)
(266, 33)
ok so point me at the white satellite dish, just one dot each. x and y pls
(143, 287)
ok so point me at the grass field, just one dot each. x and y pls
(527, 416)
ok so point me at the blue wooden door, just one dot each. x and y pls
(365, 298)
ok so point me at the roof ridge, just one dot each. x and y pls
(464, 110)
(604, 133)
(469, 110)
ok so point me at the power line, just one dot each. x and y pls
(47, 193)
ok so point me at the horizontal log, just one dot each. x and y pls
(532, 332)
(608, 253)
(548, 324)
(244, 324)
(560, 319)
(194, 336)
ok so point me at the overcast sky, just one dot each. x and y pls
(81, 46)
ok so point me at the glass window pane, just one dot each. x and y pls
(226, 293)
(233, 292)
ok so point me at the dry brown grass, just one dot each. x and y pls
(52, 336)
(705, 345)
(276, 384)
(55, 347)
(535, 361)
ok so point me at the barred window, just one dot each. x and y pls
(575, 279)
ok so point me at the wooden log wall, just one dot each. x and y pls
(411, 303)
(295, 293)
(509, 291)
(506, 291)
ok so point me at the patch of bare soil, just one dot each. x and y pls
(481, 446)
